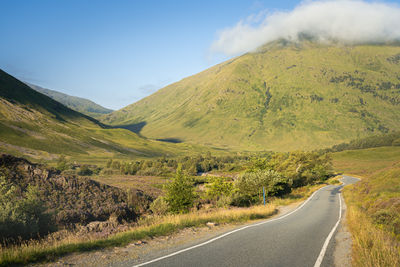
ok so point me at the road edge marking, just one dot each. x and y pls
(231, 232)
(328, 239)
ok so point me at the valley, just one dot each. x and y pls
(37, 127)
(231, 145)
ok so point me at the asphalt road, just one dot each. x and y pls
(295, 239)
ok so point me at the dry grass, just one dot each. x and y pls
(151, 185)
(373, 204)
(51, 248)
(372, 247)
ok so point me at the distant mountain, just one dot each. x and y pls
(285, 96)
(79, 104)
(37, 127)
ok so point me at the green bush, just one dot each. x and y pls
(180, 193)
(159, 206)
(241, 200)
(224, 201)
(218, 188)
(301, 168)
(22, 214)
(62, 163)
(251, 184)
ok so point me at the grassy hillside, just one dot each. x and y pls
(37, 127)
(374, 207)
(282, 97)
(366, 162)
(81, 105)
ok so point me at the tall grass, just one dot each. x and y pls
(373, 204)
(50, 249)
(372, 247)
(152, 226)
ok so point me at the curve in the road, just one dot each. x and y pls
(319, 201)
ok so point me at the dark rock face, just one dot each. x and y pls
(72, 199)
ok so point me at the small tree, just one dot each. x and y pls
(180, 193)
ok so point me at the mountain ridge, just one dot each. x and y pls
(79, 104)
(37, 127)
(284, 96)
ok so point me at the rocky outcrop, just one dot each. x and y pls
(73, 199)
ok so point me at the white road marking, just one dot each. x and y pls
(229, 233)
(325, 246)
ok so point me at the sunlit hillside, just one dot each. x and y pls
(285, 96)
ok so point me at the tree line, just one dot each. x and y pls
(388, 139)
(278, 174)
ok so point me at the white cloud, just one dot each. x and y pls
(346, 21)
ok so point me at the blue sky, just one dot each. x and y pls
(115, 52)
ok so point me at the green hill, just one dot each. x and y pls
(285, 96)
(81, 105)
(37, 127)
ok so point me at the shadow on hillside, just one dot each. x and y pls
(135, 127)
(170, 140)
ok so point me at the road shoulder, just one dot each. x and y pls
(148, 249)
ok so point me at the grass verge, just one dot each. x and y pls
(48, 250)
(372, 246)
(149, 227)
(373, 204)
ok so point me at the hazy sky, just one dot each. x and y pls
(117, 52)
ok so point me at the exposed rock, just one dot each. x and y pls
(73, 199)
(211, 224)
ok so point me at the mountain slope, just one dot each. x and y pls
(283, 97)
(37, 127)
(81, 105)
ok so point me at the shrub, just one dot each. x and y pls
(107, 171)
(115, 164)
(62, 163)
(109, 163)
(219, 188)
(138, 201)
(250, 184)
(224, 201)
(22, 214)
(301, 168)
(159, 206)
(180, 193)
(150, 171)
(85, 171)
(241, 200)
